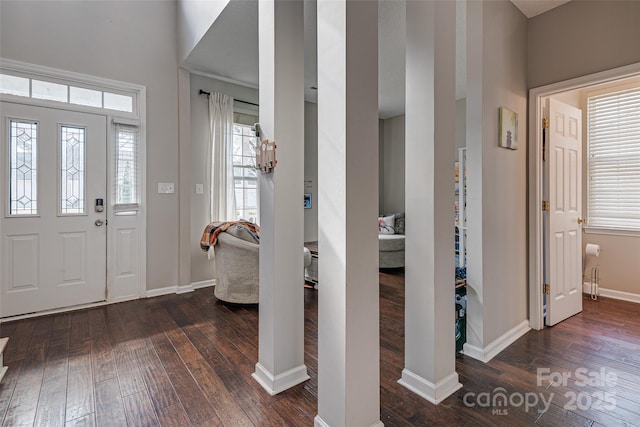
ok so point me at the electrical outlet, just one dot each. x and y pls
(199, 189)
(166, 188)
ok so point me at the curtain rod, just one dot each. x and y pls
(204, 92)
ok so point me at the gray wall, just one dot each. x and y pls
(497, 177)
(201, 266)
(582, 37)
(391, 149)
(577, 39)
(391, 186)
(461, 124)
(129, 41)
(194, 19)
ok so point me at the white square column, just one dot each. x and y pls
(281, 318)
(348, 289)
(429, 170)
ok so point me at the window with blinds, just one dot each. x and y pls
(126, 185)
(613, 185)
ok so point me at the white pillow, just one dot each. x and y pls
(385, 225)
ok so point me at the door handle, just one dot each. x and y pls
(582, 220)
(98, 222)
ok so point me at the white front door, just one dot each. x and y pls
(563, 245)
(53, 239)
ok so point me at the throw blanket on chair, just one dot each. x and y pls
(211, 231)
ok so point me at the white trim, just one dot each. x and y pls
(612, 293)
(203, 284)
(611, 231)
(123, 299)
(183, 289)
(536, 317)
(280, 382)
(223, 79)
(161, 291)
(177, 289)
(319, 422)
(434, 393)
(494, 348)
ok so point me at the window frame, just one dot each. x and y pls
(244, 178)
(589, 228)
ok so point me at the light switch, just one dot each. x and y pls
(166, 187)
(199, 189)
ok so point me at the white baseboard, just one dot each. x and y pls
(319, 422)
(203, 284)
(280, 382)
(123, 299)
(612, 293)
(492, 350)
(161, 291)
(180, 289)
(183, 289)
(434, 393)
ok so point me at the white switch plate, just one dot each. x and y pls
(199, 189)
(166, 187)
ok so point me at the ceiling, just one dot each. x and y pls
(230, 48)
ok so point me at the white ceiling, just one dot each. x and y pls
(230, 48)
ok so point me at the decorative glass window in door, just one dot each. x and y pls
(23, 168)
(72, 170)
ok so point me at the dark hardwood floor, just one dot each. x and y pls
(186, 360)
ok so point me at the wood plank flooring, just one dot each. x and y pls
(186, 360)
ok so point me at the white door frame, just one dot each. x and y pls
(536, 96)
(138, 118)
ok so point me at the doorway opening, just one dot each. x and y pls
(570, 92)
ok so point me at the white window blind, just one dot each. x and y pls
(126, 174)
(614, 159)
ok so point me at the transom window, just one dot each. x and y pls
(47, 90)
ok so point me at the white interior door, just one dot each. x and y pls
(563, 243)
(53, 239)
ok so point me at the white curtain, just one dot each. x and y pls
(219, 160)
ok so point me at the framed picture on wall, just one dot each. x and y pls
(508, 128)
(307, 201)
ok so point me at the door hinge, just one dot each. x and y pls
(545, 123)
(545, 205)
(545, 289)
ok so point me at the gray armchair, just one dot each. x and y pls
(237, 267)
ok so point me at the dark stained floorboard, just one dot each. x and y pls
(186, 360)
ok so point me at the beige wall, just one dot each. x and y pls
(133, 42)
(582, 37)
(201, 266)
(497, 177)
(577, 39)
